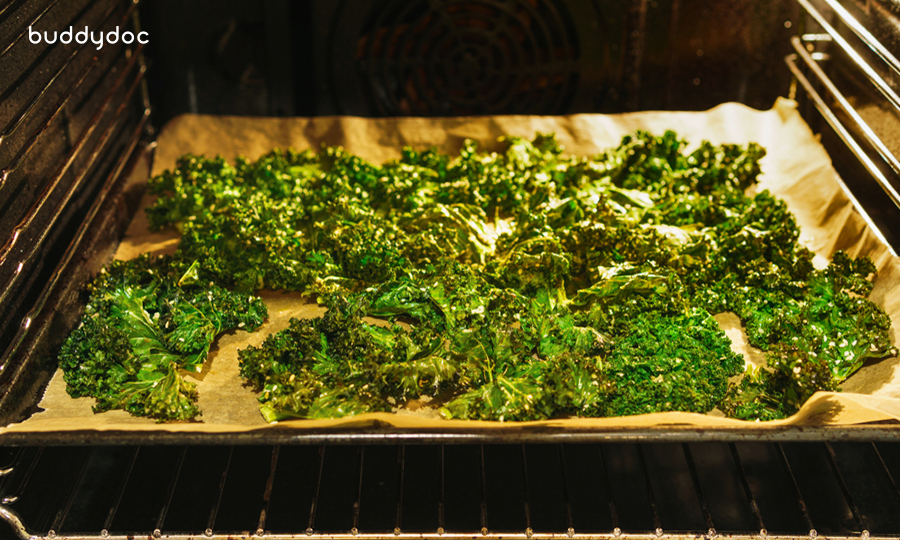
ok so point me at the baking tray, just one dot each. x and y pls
(796, 169)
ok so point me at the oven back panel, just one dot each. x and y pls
(422, 58)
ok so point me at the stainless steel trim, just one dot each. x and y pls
(889, 431)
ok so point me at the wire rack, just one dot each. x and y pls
(657, 490)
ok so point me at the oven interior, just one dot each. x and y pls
(78, 125)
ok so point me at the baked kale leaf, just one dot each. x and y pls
(517, 283)
(148, 320)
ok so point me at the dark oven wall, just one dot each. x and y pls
(425, 58)
(71, 114)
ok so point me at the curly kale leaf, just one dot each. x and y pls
(146, 320)
(667, 363)
(778, 390)
(534, 284)
(339, 365)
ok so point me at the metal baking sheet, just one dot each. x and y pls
(796, 169)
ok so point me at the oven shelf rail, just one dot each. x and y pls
(459, 536)
(550, 492)
(813, 51)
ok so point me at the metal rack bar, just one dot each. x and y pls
(111, 515)
(24, 28)
(857, 515)
(31, 104)
(607, 486)
(79, 145)
(267, 494)
(804, 511)
(695, 478)
(60, 518)
(13, 496)
(38, 307)
(657, 525)
(315, 499)
(525, 498)
(851, 143)
(484, 514)
(12, 518)
(449, 536)
(161, 520)
(886, 470)
(401, 466)
(570, 523)
(867, 131)
(754, 507)
(440, 529)
(869, 72)
(867, 38)
(385, 435)
(179, 461)
(214, 511)
(6, 474)
(67, 95)
(359, 485)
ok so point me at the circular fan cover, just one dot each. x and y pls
(457, 57)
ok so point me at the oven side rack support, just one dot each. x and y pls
(479, 535)
(811, 59)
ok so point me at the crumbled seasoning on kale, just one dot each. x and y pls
(530, 284)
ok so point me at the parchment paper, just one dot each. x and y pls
(796, 168)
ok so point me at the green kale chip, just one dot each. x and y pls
(147, 320)
(513, 283)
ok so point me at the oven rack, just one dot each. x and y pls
(663, 491)
(869, 66)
